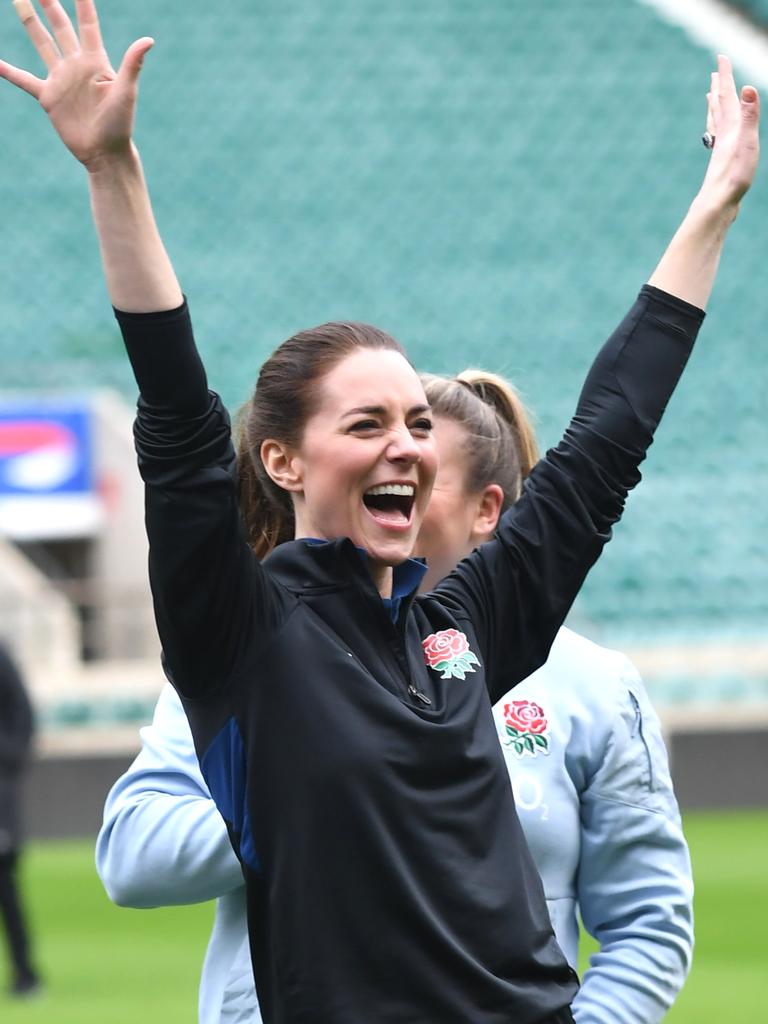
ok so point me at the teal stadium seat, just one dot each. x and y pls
(757, 10)
(77, 712)
(68, 714)
(492, 183)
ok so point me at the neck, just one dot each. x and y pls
(380, 573)
(382, 577)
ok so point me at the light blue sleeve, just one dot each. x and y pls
(163, 842)
(635, 888)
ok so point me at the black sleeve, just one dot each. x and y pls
(518, 588)
(210, 594)
(16, 719)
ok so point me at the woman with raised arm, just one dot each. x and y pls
(364, 788)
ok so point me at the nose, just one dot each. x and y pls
(403, 447)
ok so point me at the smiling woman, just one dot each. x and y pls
(316, 410)
(362, 781)
(362, 471)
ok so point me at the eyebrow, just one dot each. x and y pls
(379, 410)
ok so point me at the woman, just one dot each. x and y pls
(592, 786)
(386, 874)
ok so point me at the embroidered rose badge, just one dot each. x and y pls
(447, 651)
(526, 725)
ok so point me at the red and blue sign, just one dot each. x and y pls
(45, 449)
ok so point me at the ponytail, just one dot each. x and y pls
(502, 396)
(501, 444)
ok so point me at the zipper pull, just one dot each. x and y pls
(418, 694)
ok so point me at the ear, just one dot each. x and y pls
(487, 515)
(282, 464)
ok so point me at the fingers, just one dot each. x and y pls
(713, 96)
(23, 79)
(88, 24)
(37, 32)
(750, 102)
(711, 127)
(134, 59)
(750, 116)
(728, 100)
(62, 27)
(725, 107)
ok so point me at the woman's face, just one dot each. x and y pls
(453, 523)
(367, 458)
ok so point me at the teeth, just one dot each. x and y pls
(402, 490)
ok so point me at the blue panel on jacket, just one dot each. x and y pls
(224, 769)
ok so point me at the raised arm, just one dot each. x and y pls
(92, 107)
(688, 267)
(519, 587)
(202, 573)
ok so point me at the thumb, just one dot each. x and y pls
(750, 103)
(134, 59)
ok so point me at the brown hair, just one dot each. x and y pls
(285, 396)
(501, 444)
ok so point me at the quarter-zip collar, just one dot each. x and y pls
(309, 564)
(315, 570)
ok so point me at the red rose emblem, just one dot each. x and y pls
(442, 646)
(525, 716)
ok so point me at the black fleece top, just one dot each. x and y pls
(387, 875)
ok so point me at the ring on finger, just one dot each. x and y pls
(708, 140)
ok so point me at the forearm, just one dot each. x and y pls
(688, 267)
(633, 980)
(164, 848)
(138, 272)
(632, 379)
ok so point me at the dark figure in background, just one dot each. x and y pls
(16, 727)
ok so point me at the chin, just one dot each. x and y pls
(392, 553)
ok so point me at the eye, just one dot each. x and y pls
(363, 426)
(423, 425)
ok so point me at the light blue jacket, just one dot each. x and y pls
(591, 780)
(595, 800)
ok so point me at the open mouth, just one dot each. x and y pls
(391, 504)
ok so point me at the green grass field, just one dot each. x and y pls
(113, 966)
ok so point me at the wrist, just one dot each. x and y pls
(114, 165)
(712, 212)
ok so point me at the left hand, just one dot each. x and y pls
(90, 105)
(734, 121)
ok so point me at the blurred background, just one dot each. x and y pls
(490, 182)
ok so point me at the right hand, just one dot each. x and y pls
(90, 105)
(733, 119)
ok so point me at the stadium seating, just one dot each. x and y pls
(755, 9)
(492, 183)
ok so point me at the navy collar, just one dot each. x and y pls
(406, 577)
(309, 563)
